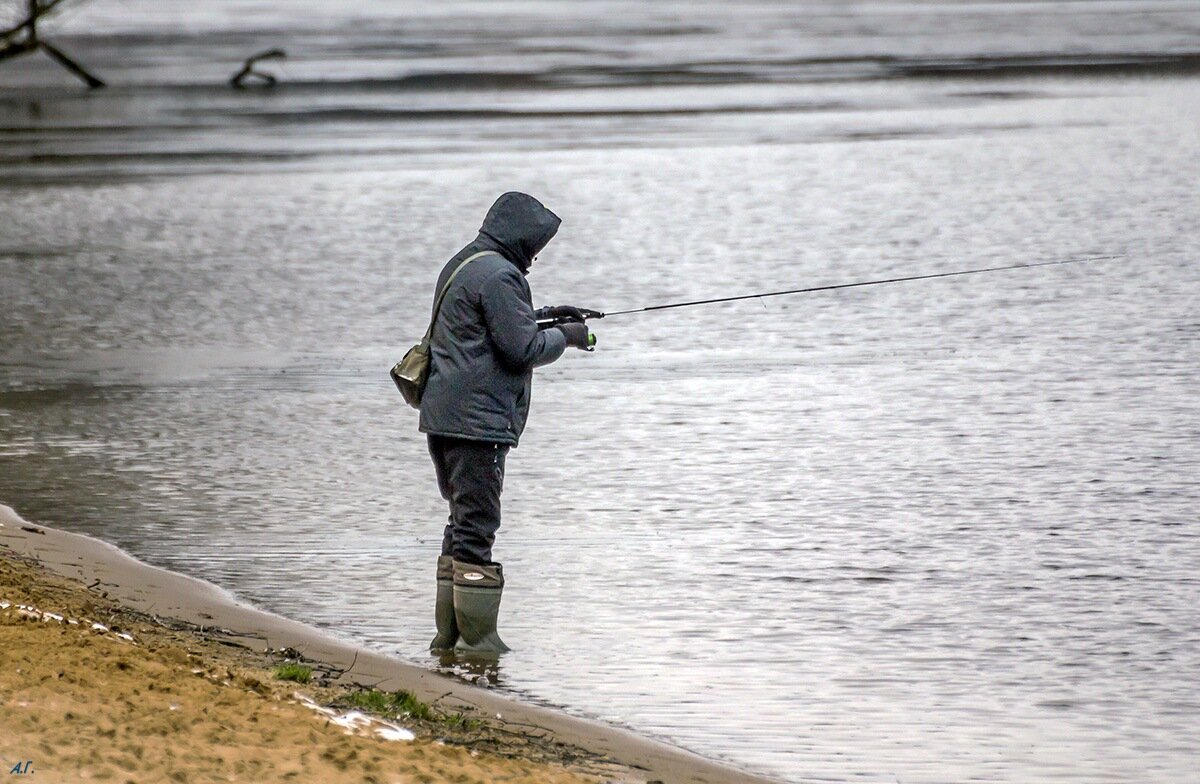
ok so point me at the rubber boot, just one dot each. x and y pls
(443, 614)
(477, 592)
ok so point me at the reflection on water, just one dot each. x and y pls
(926, 532)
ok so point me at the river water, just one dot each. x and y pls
(928, 532)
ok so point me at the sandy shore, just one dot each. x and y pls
(114, 670)
(126, 698)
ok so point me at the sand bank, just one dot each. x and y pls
(192, 696)
(124, 699)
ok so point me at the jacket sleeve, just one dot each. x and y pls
(512, 327)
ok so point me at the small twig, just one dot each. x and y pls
(17, 49)
(72, 66)
(329, 669)
(247, 72)
(371, 685)
(439, 699)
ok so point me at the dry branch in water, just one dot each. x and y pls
(242, 77)
(23, 38)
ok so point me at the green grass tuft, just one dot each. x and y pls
(403, 704)
(393, 704)
(459, 721)
(293, 672)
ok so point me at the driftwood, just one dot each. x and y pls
(23, 39)
(242, 79)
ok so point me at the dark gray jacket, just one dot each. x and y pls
(485, 343)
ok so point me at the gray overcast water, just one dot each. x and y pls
(929, 532)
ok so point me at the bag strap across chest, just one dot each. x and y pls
(437, 304)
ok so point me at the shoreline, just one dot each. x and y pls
(157, 593)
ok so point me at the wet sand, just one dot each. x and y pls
(166, 677)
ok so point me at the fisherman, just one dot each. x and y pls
(484, 347)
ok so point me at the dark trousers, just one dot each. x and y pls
(470, 476)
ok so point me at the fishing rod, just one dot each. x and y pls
(589, 314)
(860, 283)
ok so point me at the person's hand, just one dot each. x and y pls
(576, 333)
(568, 313)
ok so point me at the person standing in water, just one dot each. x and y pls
(484, 346)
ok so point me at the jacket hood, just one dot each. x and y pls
(518, 226)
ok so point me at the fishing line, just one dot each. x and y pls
(879, 282)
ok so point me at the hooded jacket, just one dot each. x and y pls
(485, 342)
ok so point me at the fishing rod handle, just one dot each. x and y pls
(553, 321)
